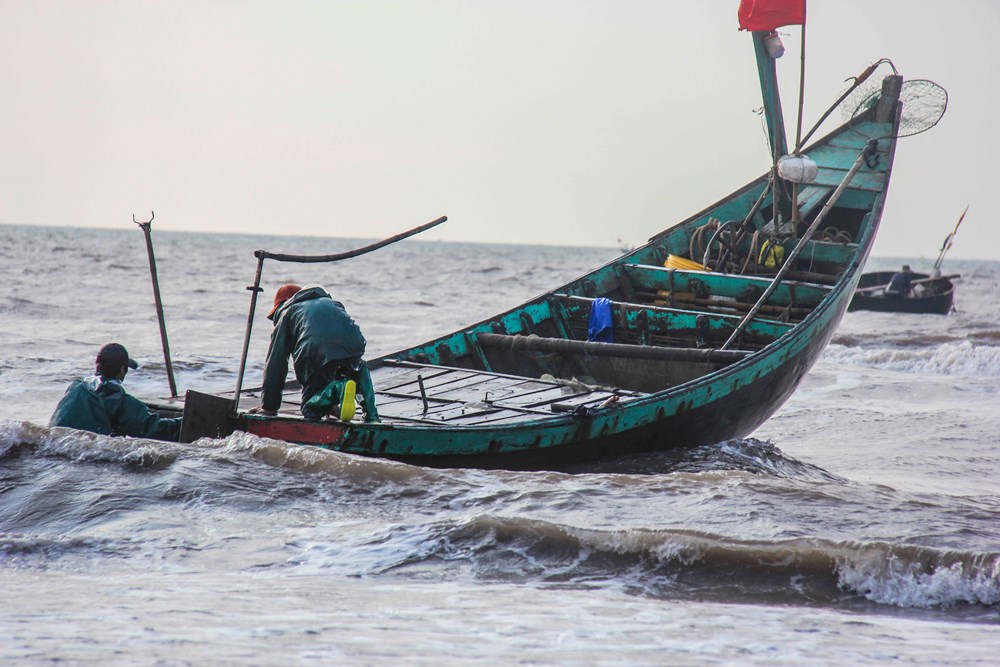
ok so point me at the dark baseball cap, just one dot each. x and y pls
(115, 354)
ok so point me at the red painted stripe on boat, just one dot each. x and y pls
(305, 432)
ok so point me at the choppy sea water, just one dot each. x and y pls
(860, 524)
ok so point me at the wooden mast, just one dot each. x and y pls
(772, 101)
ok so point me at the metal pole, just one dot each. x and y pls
(146, 230)
(254, 291)
(802, 90)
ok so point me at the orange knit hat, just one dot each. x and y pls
(284, 293)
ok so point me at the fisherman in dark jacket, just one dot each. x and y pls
(100, 403)
(900, 284)
(326, 347)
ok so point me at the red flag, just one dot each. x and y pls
(771, 14)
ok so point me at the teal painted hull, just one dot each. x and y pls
(715, 322)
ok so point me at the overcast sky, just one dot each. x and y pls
(572, 122)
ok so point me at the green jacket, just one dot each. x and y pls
(314, 329)
(103, 406)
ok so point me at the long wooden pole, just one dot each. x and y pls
(147, 232)
(790, 260)
(798, 125)
(620, 350)
(946, 246)
(802, 90)
(336, 257)
(767, 72)
(254, 291)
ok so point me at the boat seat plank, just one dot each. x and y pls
(619, 350)
(481, 396)
(863, 180)
(455, 379)
(842, 155)
(680, 322)
(542, 398)
(511, 413)
(493, 388)
(811, 197)
(453, 385)
(444, 351)
(401, 379)
(452, 380)
(810, 200)
(657, 278)
(858, 137)
(856, 143)
(828, 251)
(474, 413)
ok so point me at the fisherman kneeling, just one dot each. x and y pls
(326, 347)
(100, 403)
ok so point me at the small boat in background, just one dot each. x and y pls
(931, 293)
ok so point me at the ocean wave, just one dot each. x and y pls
(34, 551)
(17, 437)
(755, 456)
(988, 337)
(242, 466)
(319, 461)
(672, 563)
(955, 358)
(751, 455)
(81, 446)
(910, 576)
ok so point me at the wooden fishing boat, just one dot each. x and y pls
(713, 328)
(931, 296)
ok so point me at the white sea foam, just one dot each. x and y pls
(956, 358)
(908, 584)
(83, 446)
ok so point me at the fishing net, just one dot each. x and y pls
(924, 103)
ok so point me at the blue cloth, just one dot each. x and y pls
(600, 328)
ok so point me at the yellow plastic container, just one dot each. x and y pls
(677, 262)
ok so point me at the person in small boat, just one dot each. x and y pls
(326, 347)
(100, 403)
(900, 284)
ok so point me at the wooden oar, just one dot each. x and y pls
(919, 281)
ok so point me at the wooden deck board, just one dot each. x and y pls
(460, 396)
